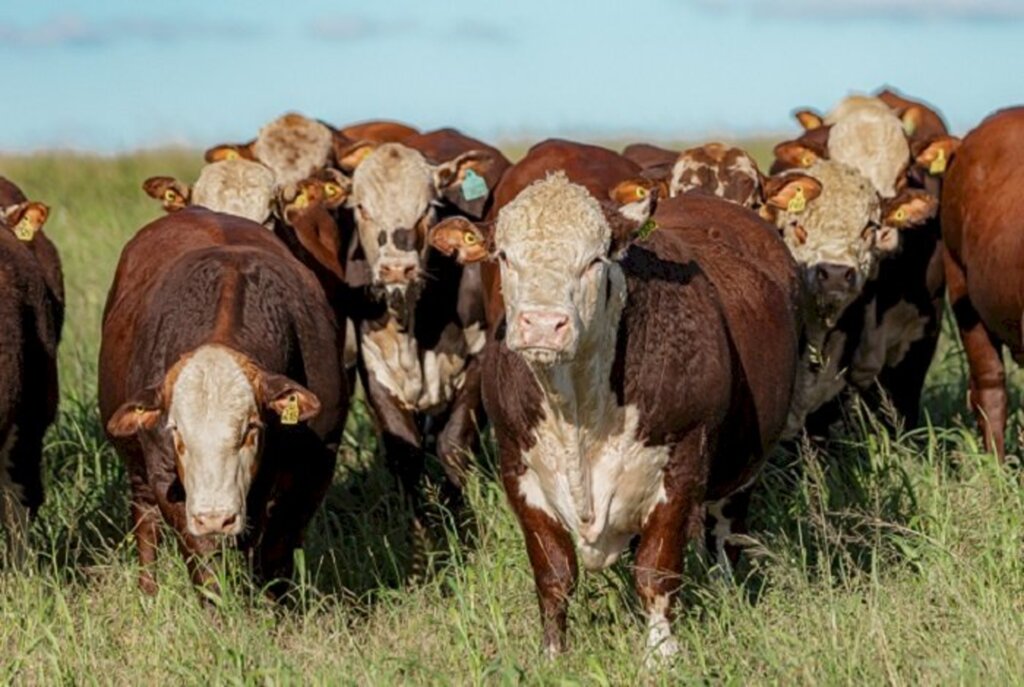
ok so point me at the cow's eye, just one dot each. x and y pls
(872, 224)
(502, 257)
(251, 434)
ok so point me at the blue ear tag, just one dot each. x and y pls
(473, 186)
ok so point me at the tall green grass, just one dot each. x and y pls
(889, 558)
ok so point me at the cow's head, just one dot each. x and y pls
(837, 227)
(24, 219)
(718, 170)
(557, 247)
(867, 136)
(309, 208)
(213, 410)
(394, 195)
(234, 187)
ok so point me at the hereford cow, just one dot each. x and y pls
(421, 319)
(711, 169)
(889, 334)
(982, 216)
(221, 386)
(642, 367)
(31, 317)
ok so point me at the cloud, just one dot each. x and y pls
(349, 28)
(480, 32)
(73, 30)
(912, 10)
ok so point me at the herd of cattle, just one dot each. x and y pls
(638, 329)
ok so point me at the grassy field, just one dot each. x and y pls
(893, 559)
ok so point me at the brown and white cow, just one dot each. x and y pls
(420, 316)
(891, 331)
(982, 221)
(713, 169)
(640, 369)
(221, 386)
(31, 318)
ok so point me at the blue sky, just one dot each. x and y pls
(118, 74)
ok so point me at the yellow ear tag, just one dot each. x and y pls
(301, 201)
(798, 202)
(230, 154)
(469, 238)
(169, 196)
(641, 192)
(331, 190)
(290, 414)
(900, 215)
(938, 165)
(807, 160)
(909, 125)
(25, 230)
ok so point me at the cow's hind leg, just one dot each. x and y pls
(21, 489)
(724, 518)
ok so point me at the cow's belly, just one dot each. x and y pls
(623, 481)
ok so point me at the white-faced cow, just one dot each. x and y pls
(641, 367)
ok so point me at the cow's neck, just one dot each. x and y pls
(579, 393)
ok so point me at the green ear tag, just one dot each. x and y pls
(290, 414)
(473, 186)
(646, 229)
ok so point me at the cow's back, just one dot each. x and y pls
(145, 262)
(983, 220)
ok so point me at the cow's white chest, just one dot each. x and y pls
(420, 380)
(885, 344)
(622, 480)
(819, 379)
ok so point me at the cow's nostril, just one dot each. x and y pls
(561, 324)
(822, 274)
(410, 271)
(229, 521)
(851, 275)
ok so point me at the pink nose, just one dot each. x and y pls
(397, 274)
(214, 522)
(543, 329)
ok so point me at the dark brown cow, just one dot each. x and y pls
(641, 370)
(420, 318)
(31, 318)
(982, 218)
(221, 386)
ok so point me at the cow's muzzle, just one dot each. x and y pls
(543, 335)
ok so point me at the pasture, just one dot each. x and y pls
(892, 558)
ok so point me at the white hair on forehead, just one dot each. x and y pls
(293, 147)
(211, 388)
(834, 222)
(868, 136)
(394, 183)
(553, 209)
(235, 187)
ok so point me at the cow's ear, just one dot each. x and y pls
(468, 180)
(230, 151)
(336, 188)
(909, 208)
(798, 154)
(25, 219)
(350, 156)
(141, 413)
(934, 155)
(459, 237)
(809, 119)
(911, 118)
(172, 194)
(289, 400)
(637, 190)
(791, 192)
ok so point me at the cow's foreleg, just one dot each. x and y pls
(659, 556)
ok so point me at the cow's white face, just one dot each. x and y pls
(835, 238)
(393, 191)
(552, 243)
(867, 136)
(236, 187)
(293, 147)
(215, 422)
